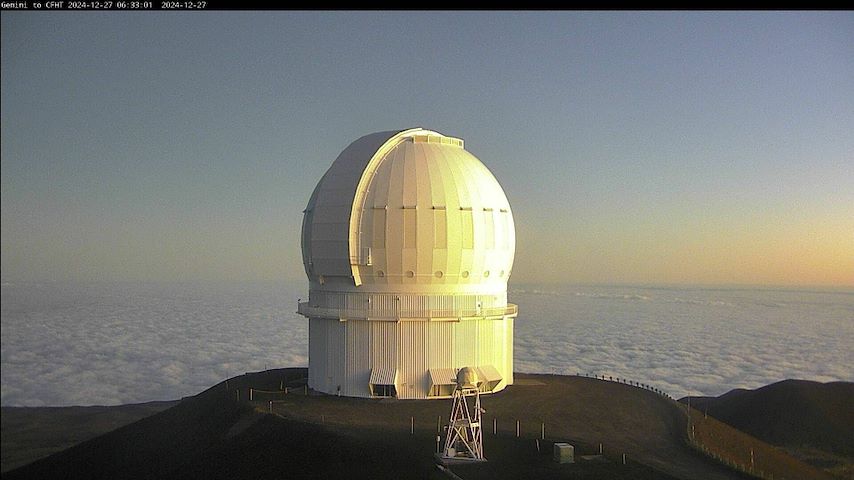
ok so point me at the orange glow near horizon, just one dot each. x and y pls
(818, 252)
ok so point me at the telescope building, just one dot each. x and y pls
(407, 242)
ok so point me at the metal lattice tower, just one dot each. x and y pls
(465, 437)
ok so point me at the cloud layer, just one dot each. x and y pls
(687, 341)
(110, 345)
(90, 344)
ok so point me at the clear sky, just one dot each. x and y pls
(656, 147)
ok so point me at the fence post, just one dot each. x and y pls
(494, 426)
(543, 431)
(412, 425)
(271, 406)
(517, 428)
(600, 449)
(624, 459)
(251, 394)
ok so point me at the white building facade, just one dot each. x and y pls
(408, 242)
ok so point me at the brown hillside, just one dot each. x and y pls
(813, 421)
(796, 413)
(30, 433)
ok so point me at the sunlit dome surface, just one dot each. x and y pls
(408, 208)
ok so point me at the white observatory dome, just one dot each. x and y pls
(411, 209)
(407, 241)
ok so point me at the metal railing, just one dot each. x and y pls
(308, 310)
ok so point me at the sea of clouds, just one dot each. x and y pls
(108, 344)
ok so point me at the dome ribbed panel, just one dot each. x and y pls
(425, 218)
(446, 195)
(439, 202)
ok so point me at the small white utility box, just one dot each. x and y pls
(564, 453)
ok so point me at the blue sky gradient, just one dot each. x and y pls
(654, 147)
